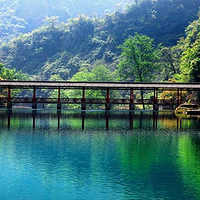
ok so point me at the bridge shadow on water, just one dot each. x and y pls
(94, 120)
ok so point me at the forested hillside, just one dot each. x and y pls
(57, 51)
(21, 16)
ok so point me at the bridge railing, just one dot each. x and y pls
(88, 101)
(3, 100)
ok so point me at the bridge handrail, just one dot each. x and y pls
(87, 100)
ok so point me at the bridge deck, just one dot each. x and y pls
(106, 86)
(99, 85)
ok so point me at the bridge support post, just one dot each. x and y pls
(34, 113)
(178, 97)
(83, 104)
(107, 106)
(34, 103)
(58, 103)
(131, 116)
(107, 113)
(58, 113)
(9, 103)
(181, 97)
(131, 105)
(155, 100)
(108, 99)
(59, 106)
(83, 113)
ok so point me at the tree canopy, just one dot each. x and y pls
(190, 57)
(97, 74)
(11, 74)
(190, 63)
(59, 50)
(138, 59)
(63, 48)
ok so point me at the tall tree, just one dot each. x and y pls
(138, 59)
(190, 63)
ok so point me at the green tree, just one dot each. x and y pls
(190, 53)
(97, 74)
(138, 59)
(190, 63)
(11, 74)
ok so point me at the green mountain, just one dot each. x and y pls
(21, 16)
(63, 48)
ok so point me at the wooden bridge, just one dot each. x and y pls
(105, 86)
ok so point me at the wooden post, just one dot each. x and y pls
(34, 94)
(59, 95)
(131, 105)
(155, 120)
(58, 113)
(33, 120)
(155, 99)
(83, 104)
(83, 100)
(9, 116)
(34, 103)
(131, 115)
(108, 99)
(9, 94)
(83, 119)
(107, 120)
(9, 103)
(34, 113)
(108, 96)
(58, 103)
(181, 97)
(178, 97)
(156, 96)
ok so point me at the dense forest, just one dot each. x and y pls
(21, 16)
(73, 50)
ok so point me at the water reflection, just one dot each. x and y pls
(9, 112)
(98, 155)
(90, 119)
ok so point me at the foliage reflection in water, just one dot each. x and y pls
(98, 155)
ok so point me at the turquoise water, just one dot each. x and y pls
(49, 155)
